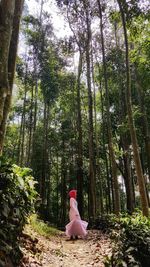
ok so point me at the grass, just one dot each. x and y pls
(41, 227)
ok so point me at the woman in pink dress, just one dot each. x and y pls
(76, 227)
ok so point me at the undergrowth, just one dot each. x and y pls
(17, 197)
(131, 236)
(41, 227)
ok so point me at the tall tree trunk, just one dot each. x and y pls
(108, 191)
(79, 124)
(79, 142)
(98, 176)
(35, 98)
(63, 187)
(6, 25)
(57, 184)
(127, 176)
(14, 41)
(92, 182)
(10, 15)
(110, 139)
(44, 171)
(48, 186)
(137, 161)
(22, 127)
(30, 142)
(125, 144)
(146, 132)
(124, 138)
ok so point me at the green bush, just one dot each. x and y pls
(131, 236)
(17, 197)
(105, 222)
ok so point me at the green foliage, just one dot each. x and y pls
(131, 235)
(42, 228)
(10, 150)
(105, 222)
(17, 197)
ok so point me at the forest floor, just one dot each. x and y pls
(59, 251)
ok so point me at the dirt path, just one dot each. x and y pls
(60, 252)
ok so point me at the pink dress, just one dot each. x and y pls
(76, 227)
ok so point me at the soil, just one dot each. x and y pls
(59, 251)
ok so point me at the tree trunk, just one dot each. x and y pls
(128, 178)
(63, 187)
(48, 186)
(98, 175)
(22, 127)
(125, 144)
(44, 170)
(57, 183)
(30, 142)
(110, 140)
(6, 25)
(146, 132)
(137, 161)
(10, 15)
(92, 183)
(79, 123)
(79, 142)
(103, 145)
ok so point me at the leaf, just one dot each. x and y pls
(5, 210)
(21, 181)
(11, 200)
(2, 234)
(130, 249)
(31, 183)
(124, 264)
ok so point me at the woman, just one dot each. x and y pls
(76, 227)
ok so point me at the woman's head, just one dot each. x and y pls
(73, 193)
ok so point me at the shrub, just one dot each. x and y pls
(105, 222)
(17, 197)
(131, 237)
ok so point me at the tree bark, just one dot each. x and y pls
(63, 187)
(110, 140)
(79, 141)
(128, 177)
(10, 15)
(137, 161)
(79, 121)
(44, 171)
(30, 140)
(146, 132)
(92, 182)
(6, 24)
(23, 120)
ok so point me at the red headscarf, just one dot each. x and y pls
(73, 193)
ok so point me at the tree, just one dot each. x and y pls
(110, 140)
(92, 181)
(137, 161)
(10, 14)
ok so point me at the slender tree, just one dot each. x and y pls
(137, 160)
(146, 131)
(110, 139)
(92, 180)
(10, 15)
(80, 142)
